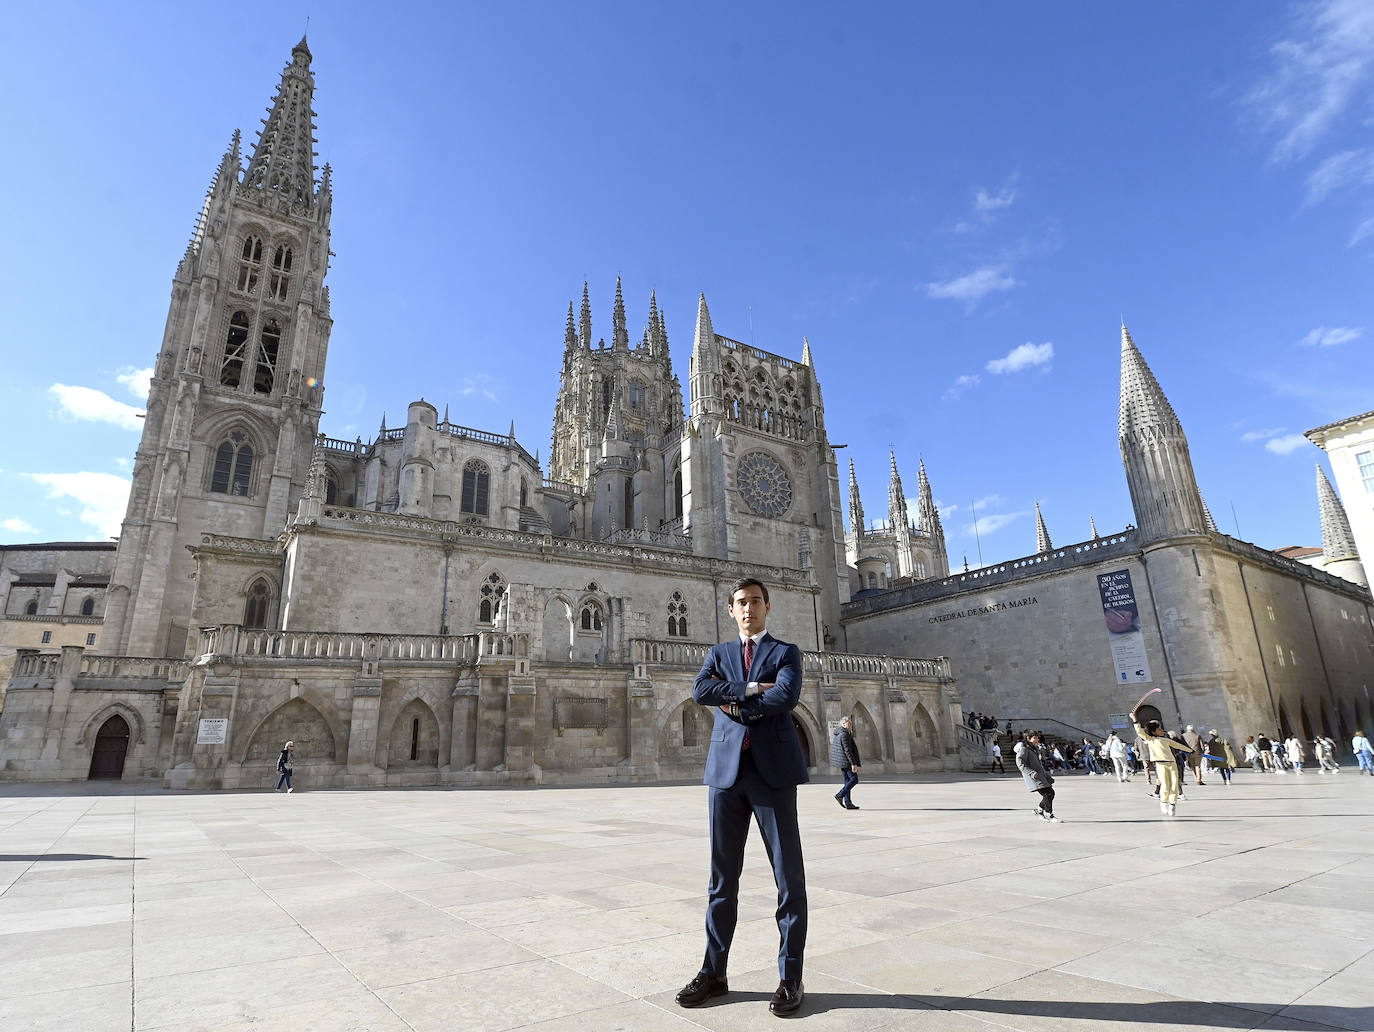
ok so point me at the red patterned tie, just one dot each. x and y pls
(748, 662)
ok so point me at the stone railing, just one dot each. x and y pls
(686, 654)
(240, 545)
(1097, 550)
(230, 641)
(355, 447)
(36, 664)
(662, 538)
(134, 666)
(56, 618)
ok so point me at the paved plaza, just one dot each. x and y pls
(942, 905)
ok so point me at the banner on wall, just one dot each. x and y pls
(1123, 627)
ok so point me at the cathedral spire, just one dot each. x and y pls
(651, 331)
(613, 417)
(283, 160)
(1093, 524)
(929, 519)
(620, 338)
(1154, 450)
(810, 363)
(705, 385)
(1042, 534)
(1339, 555)
(856, 508)
(584, 327)
(569, 336)
(898, 521)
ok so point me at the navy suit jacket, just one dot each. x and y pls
(767, 716)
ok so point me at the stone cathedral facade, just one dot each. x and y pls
(432, 607)
(435, 607)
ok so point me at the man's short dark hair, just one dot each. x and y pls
(748, 582)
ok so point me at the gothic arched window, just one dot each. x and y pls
(331, 491)
(677, 615)
(591, 617)
(88, 607)
(235, 350)
(31, 609)
(629, 514)
(265, 370)
(677, 492)
(255, 609)
(476, 482)
(250, 264)
(490, 605)
(280, 280)
(233, 470)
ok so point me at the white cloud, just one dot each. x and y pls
(17, 526)
(135, 381)
(1261, 435)
(1317, 74)
(87, 403)
(1022, 357)
(479, 383)
(955, 390)
(993, 522)
(970, 288)
(1323, 337)
(985, 203)
(102, 496)
(1286, 445)
(122, 463)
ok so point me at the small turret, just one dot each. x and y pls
(1092, 523)
(569, 337)
(705, 380)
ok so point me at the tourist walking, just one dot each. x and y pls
(1090, 763)
(1325, 751)
(1296, 755)
(284, 768)
(1038, 779)
(1252, 754)
(844, 754)
(1364, 752)
(1194, 759)
(997, 759)
(1266, 751)
(1119, 754)
(1220, 756)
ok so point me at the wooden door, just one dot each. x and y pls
(111, 745)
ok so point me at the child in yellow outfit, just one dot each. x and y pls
(1161, 749)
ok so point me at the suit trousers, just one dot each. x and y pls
(775, 812)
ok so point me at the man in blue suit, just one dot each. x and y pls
(753, 770)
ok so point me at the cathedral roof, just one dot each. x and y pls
(1337, 540)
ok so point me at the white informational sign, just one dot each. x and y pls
(213, 731)
(1118, 721)
(1123, 627)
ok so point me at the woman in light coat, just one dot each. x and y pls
(1297, 755)
(1038, 779)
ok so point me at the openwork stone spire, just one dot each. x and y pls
(584, 326)
(620, 337)
(1337, 540)
(283, 161)
(856, 508)
(1093, 524)
(1042, 534)
(705, 382)
(1154, 450)
(569, 335)
(896, 497)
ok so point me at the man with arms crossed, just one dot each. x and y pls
(753, 769)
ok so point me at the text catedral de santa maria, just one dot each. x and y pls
(992, 607)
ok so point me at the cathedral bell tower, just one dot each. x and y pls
(235, 399)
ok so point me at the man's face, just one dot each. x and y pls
(749, 609)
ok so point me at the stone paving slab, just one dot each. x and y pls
(943, 905)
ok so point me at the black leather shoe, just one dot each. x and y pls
(788, 998)
(839, 800)
(702, 988)
(851, 806)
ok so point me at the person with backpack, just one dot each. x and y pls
(844, 754)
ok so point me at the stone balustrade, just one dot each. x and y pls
(685, 654)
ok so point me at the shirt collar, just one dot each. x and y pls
(755, 638)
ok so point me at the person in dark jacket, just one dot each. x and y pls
(284, 767)
(844, 754)
(1032, 768)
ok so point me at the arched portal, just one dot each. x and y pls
(111, 746)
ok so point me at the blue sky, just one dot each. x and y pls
(955, 203)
